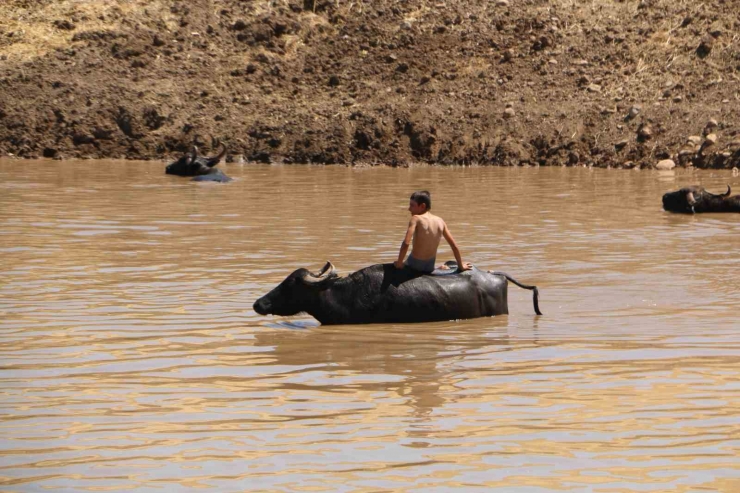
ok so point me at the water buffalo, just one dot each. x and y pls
(202, 168)
(690, 200)
(383, 294)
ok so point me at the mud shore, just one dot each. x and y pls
(605, 83)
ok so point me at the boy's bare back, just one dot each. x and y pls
(428, 230)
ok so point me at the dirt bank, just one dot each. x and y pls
(505, 82)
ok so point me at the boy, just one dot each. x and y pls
(426, 230)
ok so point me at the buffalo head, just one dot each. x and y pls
(193, 165)
(694, 199)
(295, 293)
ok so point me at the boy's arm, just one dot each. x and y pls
(406, 243)
(455, 251)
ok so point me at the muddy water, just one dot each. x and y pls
(131, 359)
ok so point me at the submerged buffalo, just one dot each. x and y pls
(690, 200)
(383, 294)
(201, 167)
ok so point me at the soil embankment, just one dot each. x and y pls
(602, 83)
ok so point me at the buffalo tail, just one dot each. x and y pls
(535, 293)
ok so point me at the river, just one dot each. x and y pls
(131, 358)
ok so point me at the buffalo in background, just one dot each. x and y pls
(693, 199)
(383, 294)
(200, 167)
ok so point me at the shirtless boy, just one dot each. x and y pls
(426, 230)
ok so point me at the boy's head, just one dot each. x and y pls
(422, 198)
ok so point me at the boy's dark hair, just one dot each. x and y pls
(422, 197)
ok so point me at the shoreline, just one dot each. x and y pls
(618, 84)
(413, 164)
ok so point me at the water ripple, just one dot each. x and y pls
(132, 359)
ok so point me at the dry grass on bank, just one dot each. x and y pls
(32, 28)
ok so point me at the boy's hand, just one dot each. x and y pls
(465, 266)
(398, 264)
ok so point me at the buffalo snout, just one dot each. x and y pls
(667, 201)
(677, 202)
(262, 306)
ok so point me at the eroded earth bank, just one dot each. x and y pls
(629, 83)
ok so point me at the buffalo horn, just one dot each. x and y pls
(727, 193)
(690, 198)
(190, 157)
(213, 161)
(327, 267)
(321, 275)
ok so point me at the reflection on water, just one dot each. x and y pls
(131, 357)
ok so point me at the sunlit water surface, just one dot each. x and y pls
(131, 358)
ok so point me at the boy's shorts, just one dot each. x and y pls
(425, 266)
